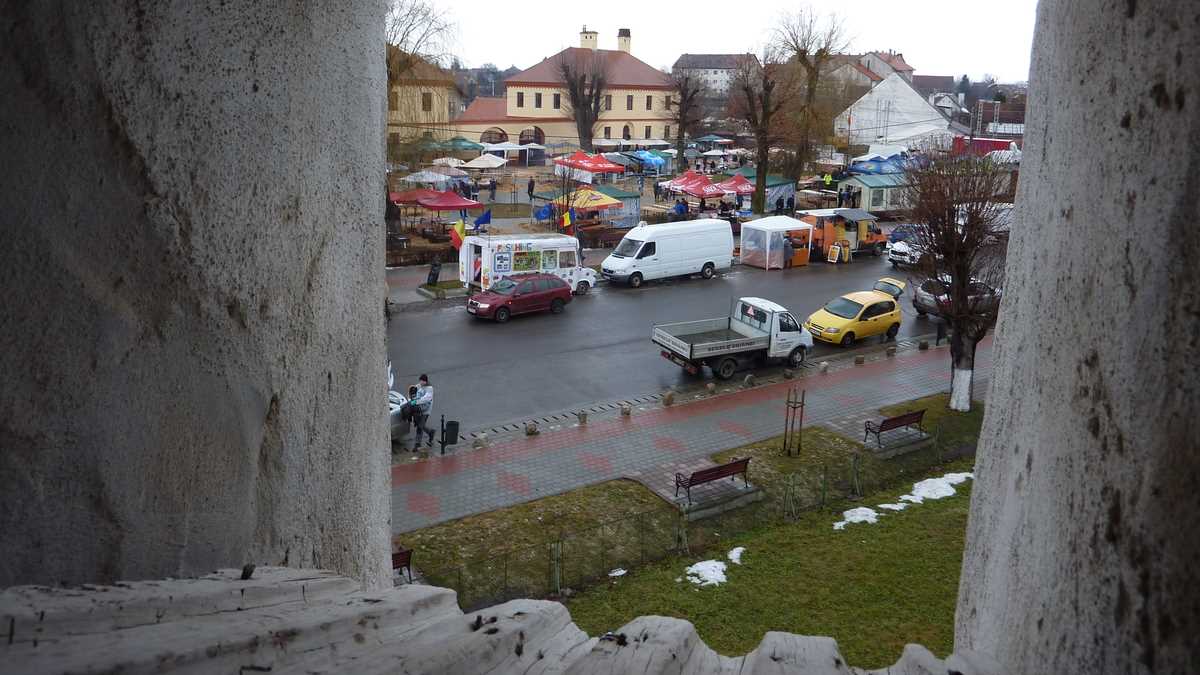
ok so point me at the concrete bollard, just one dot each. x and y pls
(859, 360)
(531, 428)
(668, 397)
(626, 410)
(788, 373)
(891, 351)
(824, 366)
(480, 442)
(582, 416)
(923, 345)
(748, 381)
(711, 387)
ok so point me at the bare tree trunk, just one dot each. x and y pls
(758, 201)
(962, 370)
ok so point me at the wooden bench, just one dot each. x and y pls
(402, 560)
(905, 421)
(730, 470)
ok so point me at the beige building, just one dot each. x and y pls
(535, 108)
(423, 99)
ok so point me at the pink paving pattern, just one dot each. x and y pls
(597, 463)
(731, 427)
(514, 482)
(424, 504)
(669, 444)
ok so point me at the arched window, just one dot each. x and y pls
(532, 135)
(627, 133)
(493, 135)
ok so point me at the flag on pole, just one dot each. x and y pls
(457, 233)
(484, 219)
(568, 218)
(544, 213)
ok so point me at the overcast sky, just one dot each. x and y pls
(937, 37)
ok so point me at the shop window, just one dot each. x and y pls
(549, 259)
(647, 131)
(608, 132)
(876, 198)
(566, 259)
(427, 102)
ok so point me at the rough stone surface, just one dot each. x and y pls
(192, 336)
(1082, 550)
(313, 622)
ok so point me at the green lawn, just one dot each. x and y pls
(874, 588)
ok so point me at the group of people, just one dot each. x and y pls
(471, 190)
(418, 408)
(785, 208)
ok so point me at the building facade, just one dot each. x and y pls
(716, 71)
(535, 107)
(423, 99)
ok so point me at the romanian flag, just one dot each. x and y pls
(568, 219)
(457, 233)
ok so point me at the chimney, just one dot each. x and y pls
(587, 38)
(623, 39)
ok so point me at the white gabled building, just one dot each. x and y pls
(893, 112)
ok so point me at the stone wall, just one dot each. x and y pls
(1082, 552)
(192, 345)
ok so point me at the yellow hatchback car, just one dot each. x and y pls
(858, 315)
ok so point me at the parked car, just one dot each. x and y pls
(857, 315)
(932, 295)
(396, 403)
(519, 295)
(906, 254)
(703, 246)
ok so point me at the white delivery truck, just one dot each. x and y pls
(756, 331)
(485, 259)
(703, 246)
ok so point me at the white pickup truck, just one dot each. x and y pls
(755, 331)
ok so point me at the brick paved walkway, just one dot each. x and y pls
(657, 441)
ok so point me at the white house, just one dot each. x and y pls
(893, 112)
(716, 71)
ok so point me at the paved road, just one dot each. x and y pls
(599, 349)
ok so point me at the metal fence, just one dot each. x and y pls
(579, 558)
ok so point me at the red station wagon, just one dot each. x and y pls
(517, 295)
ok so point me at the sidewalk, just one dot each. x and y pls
(662, 440)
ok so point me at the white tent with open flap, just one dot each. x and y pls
(763, 242)
(485, 161)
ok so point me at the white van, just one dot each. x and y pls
(703, 246)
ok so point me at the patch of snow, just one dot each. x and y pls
(619, 572)
(707, 573)
(894, 507)
(736, 555)
(935, 488)
(859, 515)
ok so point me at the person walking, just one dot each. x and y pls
(422, 404)
(789, 250)
(529, 189)
(779, 206)
(492, 190)
(791, 206)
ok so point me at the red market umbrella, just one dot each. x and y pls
(701, 186)
(411, 196)
(738, 185)
(447, 201)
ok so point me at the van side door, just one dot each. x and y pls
(648, 261)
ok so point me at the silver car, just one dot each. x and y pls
(932, 295)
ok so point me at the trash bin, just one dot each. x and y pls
(435, 270)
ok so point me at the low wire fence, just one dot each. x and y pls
(579, 558)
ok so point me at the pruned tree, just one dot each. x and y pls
(584, 78)
(760, 89)
(687, 109)
(418, 30)
(960, 232)
(809, 42)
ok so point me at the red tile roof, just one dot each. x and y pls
(871, 75)
(896, 61)
(484, 109)
(624, 70)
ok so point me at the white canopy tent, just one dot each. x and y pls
(501, 147)
(485, 162)
(605, 143)
(651, 142)
(716, 152)
(880, 151)
(448, 161)
(762, 240)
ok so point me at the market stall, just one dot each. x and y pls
(763, 245)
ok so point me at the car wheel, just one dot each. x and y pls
(726, 368)
(895, 265)
(708, 271)
(847, 339)
(556, 306)
(582, 288)
(635, 280)
(502, 315)
(892, 330)
(879, 249)
(796, 358)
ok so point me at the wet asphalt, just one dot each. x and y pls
(599, 349)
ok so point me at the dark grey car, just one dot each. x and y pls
(930, 296)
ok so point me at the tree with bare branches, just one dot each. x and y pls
(418, 30)
(687, 107)
(760, 90)
(960, 234)
(809, 42)
(584, 77)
